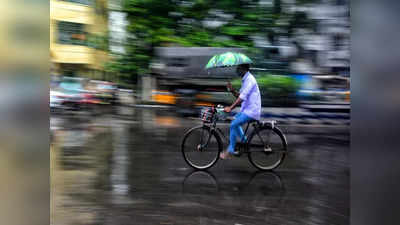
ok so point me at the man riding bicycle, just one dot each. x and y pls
(250, 99)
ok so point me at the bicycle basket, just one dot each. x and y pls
(207, 114)
(221, 115)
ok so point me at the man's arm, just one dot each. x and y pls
(236, 103)
(232, 90)
(235, 93)
(245, 91)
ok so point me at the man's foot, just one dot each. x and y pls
(225, 155)
(236, 153)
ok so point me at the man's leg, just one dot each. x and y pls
(236, 130)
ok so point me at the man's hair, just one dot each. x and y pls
(245, 66)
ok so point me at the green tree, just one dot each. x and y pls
(155, 23)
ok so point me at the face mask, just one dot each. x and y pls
(239, 73)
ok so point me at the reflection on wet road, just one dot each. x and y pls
(128, 169)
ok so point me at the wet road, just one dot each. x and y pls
(128, 169)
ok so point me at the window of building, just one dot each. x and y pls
(99, 42)
(83, 2)
(71, 33)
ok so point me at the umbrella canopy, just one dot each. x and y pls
(228, 59)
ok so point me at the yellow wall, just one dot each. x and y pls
(71, 12)
(76, 54)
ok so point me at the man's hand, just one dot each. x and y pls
(230, 89)
(228, 109)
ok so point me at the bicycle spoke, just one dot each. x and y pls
(269, 135)
(270, 152)
(208, 140)
(204, 154)
(258, 134)
(256, 146)
(266, 155)
(201, 137)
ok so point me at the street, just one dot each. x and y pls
(127, 168)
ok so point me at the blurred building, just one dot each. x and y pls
(79, 37)
(323, 48)
(326, 48)
(117, 24)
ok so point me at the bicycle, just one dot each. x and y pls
(202, 152)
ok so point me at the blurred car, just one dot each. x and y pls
(56, 100)
(323, 88)
(185, 101)
(70, 94)
(324, 93)
(105, 91)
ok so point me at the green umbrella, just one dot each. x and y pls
(228, 59)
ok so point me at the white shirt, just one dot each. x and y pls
(250, 94)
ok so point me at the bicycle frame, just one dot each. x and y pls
(258, 140)
(214, 129)
(225, 138)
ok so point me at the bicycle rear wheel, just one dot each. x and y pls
(267, 148)
(201, 147)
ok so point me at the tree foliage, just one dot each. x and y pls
(205, 23)
(276, 90)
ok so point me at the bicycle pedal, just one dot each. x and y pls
(236, 153)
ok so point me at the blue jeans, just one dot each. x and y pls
(236, 130)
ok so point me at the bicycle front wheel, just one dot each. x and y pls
(267, 148)
(201, 147)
